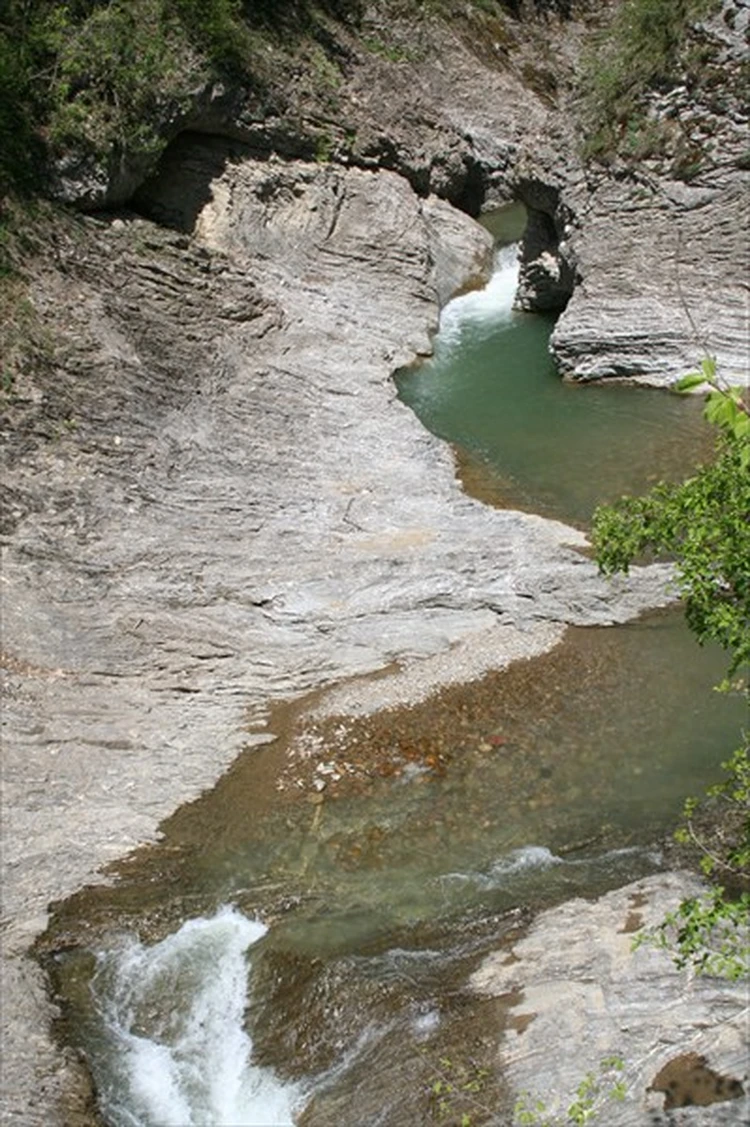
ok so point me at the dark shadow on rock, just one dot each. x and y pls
(180, 187)
(688, 1081)
(548, 272)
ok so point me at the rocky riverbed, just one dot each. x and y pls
(215, 499)
(241, 509)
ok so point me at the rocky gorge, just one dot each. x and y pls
(215, 500)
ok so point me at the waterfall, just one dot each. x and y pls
(174, 1051)
(484, 308)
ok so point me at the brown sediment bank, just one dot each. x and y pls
(216, 501)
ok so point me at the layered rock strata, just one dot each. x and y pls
(647, 258)
(674, 1047)
(215, 498)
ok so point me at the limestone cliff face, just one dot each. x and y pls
(215, 497)
(661, 246)
(654, 253)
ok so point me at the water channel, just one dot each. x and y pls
(293, 955)
(527, 439)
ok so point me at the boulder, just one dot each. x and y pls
(578, 995)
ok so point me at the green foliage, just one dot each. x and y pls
(710, 933)
(89, 76)
(112, 73)
(725, 404)
(112, 79)
(22, 52)
(324, 69)
(704, 524)
(640, 50)
(593, 1094)
(109, 76)
(324, 145)
(25, 342)
(214, 27)
(729, 856)
(393, 52)
(455, 1092)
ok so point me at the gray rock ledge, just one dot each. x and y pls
(579, 993)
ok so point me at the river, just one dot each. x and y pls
(297, 948)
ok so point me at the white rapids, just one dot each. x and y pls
(175, 1051)
(483, 308)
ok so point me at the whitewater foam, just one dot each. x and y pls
(528, 859)
(483, 308)
(177, 1053)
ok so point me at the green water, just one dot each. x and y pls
(555, 778)
(453, 819)
(489, 791)
(529, 440)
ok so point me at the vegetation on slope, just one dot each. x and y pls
(101, 77)
(110, 79)
(108, 76)
(641, 49)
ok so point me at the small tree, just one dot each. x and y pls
(703, 524)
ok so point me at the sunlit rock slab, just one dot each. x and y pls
(579, 994)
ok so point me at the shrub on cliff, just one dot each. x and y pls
(104, 78)
(640, 49)
(90, 76)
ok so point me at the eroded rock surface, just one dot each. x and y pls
(232, 506)
(654, 253)
(663, 268)
(214, 498)
(580, 994)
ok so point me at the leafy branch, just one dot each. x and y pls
(704, 525)
(455, 1092)
(726, 405)
(592, 1095)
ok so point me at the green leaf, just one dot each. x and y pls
(708, 367)
(688, 382)
(703, 526)
(721, 409)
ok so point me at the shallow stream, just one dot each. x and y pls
(362, 867)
